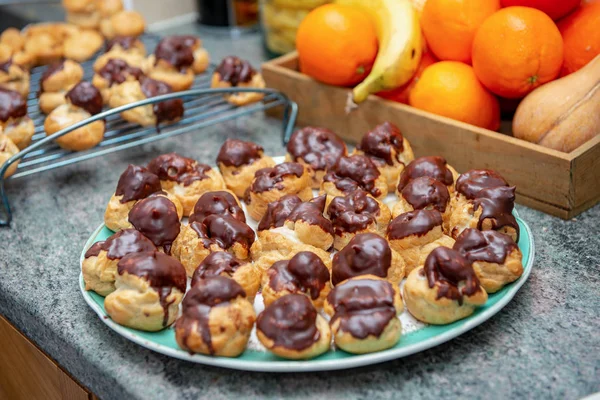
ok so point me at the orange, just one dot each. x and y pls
(516, 50)
(449, 26)
(554, 8)
(400, 94)
(451, 89)
(581, 36)
(336, 45)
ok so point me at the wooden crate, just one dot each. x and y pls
(561, 184)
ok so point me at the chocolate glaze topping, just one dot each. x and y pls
(424, 191)
(213, 291)
(278, 211)
(12, 105)
(497, 204)
(269, 178)
(353, 212)
(176, 50)
(303, 273)
(417, 222)
(445, 268)
(120, 244)
(173, 167)
(86, 96)
(162, 272)
(125, 42)
(51, 70)
(235, 153)
(366, 253)
(363, 306)
(224, 231)
(471, 182)
(156, 217)
(234, 70)
(137, 183)
(379, 143)
(354, 172)
(318, 147)
(311, 212)
(165, 110)
(217, 263)
(218, 203)
(117, 71)
(433, 166)
(290, 322)
(488, 246)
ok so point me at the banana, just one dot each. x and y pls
(400, 45)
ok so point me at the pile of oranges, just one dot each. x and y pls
(479, 53)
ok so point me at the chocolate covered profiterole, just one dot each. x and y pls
(14, 121)
(149, 289)
(172, 62)
(12, 75)
(351, 173)
(424, 193)
(114, 72)
(156, 217)
(56, 80)
(126, 44)
(234, 72)
(218, 202)
(432, 166)
(290, 327)
(307, 222)
(278, 211)
(216, 318)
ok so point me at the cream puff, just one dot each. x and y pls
(83, 13)
(44, 46)
(83, 45)
(278, 211)
(303, 274)
(7, 150)
(238, 161)
(221, 263)
(172, 62)
(114, 72)
(125, 44)
(83, 101)
(13, 76)
(318, 149)
(388, 149)
(13, 118)
(216, 318)
(367, 254)
(291, 327)
(214, 233)
(357, 212)
(270, 184)
(423, 193)
(309, 224)
(123, 23)
(433, 167)
(415, 234)
(12, 37)
(496, 257)
(149, 288)
(364, 314)
(58, 78)
(234, 72)
(133, 56)
(99, 267)
(176, 50)
(351, 173)
(444, 290)
(217, 203)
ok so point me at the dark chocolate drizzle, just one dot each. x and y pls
(379, 143)
(278, 211)
(177, 50)
(424, 191)
(472, 182)
(488, 246)
(497, 204)
(290, 322)
(224, 231)
(120, 244)
(234, 70)
(117, 71)
(354, 172)
(86, 96)
(363, 306)
(137, 183)
(272, 178)
(125, 42)
(432, 166)
(303, 273)
(173, 167)
(12, 105)
(311, 212)
(366, 253)
(217, 203)
(215, 264)
(156, 217)
(445, 268)
(168, 110)
(51, 70)
(235, 153)
(353, 212)
(417, 222)
(318, 147)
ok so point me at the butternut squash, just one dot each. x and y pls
(562, 114)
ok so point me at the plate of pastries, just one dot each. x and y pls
(322, 259)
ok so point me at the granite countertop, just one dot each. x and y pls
(543, 344)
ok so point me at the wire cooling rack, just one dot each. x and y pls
(203, 107)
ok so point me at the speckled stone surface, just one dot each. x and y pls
(544, 344)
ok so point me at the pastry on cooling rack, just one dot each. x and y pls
(181, 52)
(149, 288)
(13, 76)
(45, 42)
(270, 184)
(125, 44)
(292, 328)
(216, 318)
(7, 150)
(388, 149)
(123, 23)
(415, 234)
(83, 101)
(12, 38)
(423, 193)
(83, 13)
(58, 78)
(172, 62)
(214, 233)
(234, 72)
(133, 56)
(99, 266)
(83, 45)
(356, 212)
(303, 274)
(108, 8)
(222, 263)
(351, 173)
(218, 202)
(317, 148)
(114, 72)
(496, 257)
(149, 115)
(12, 45)
(433, 167)
(364, 313)
(367, 254)
(444, 290)
(13, 118)
(238, 161)
(135, 183)
(185, 178)
(157, 218)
